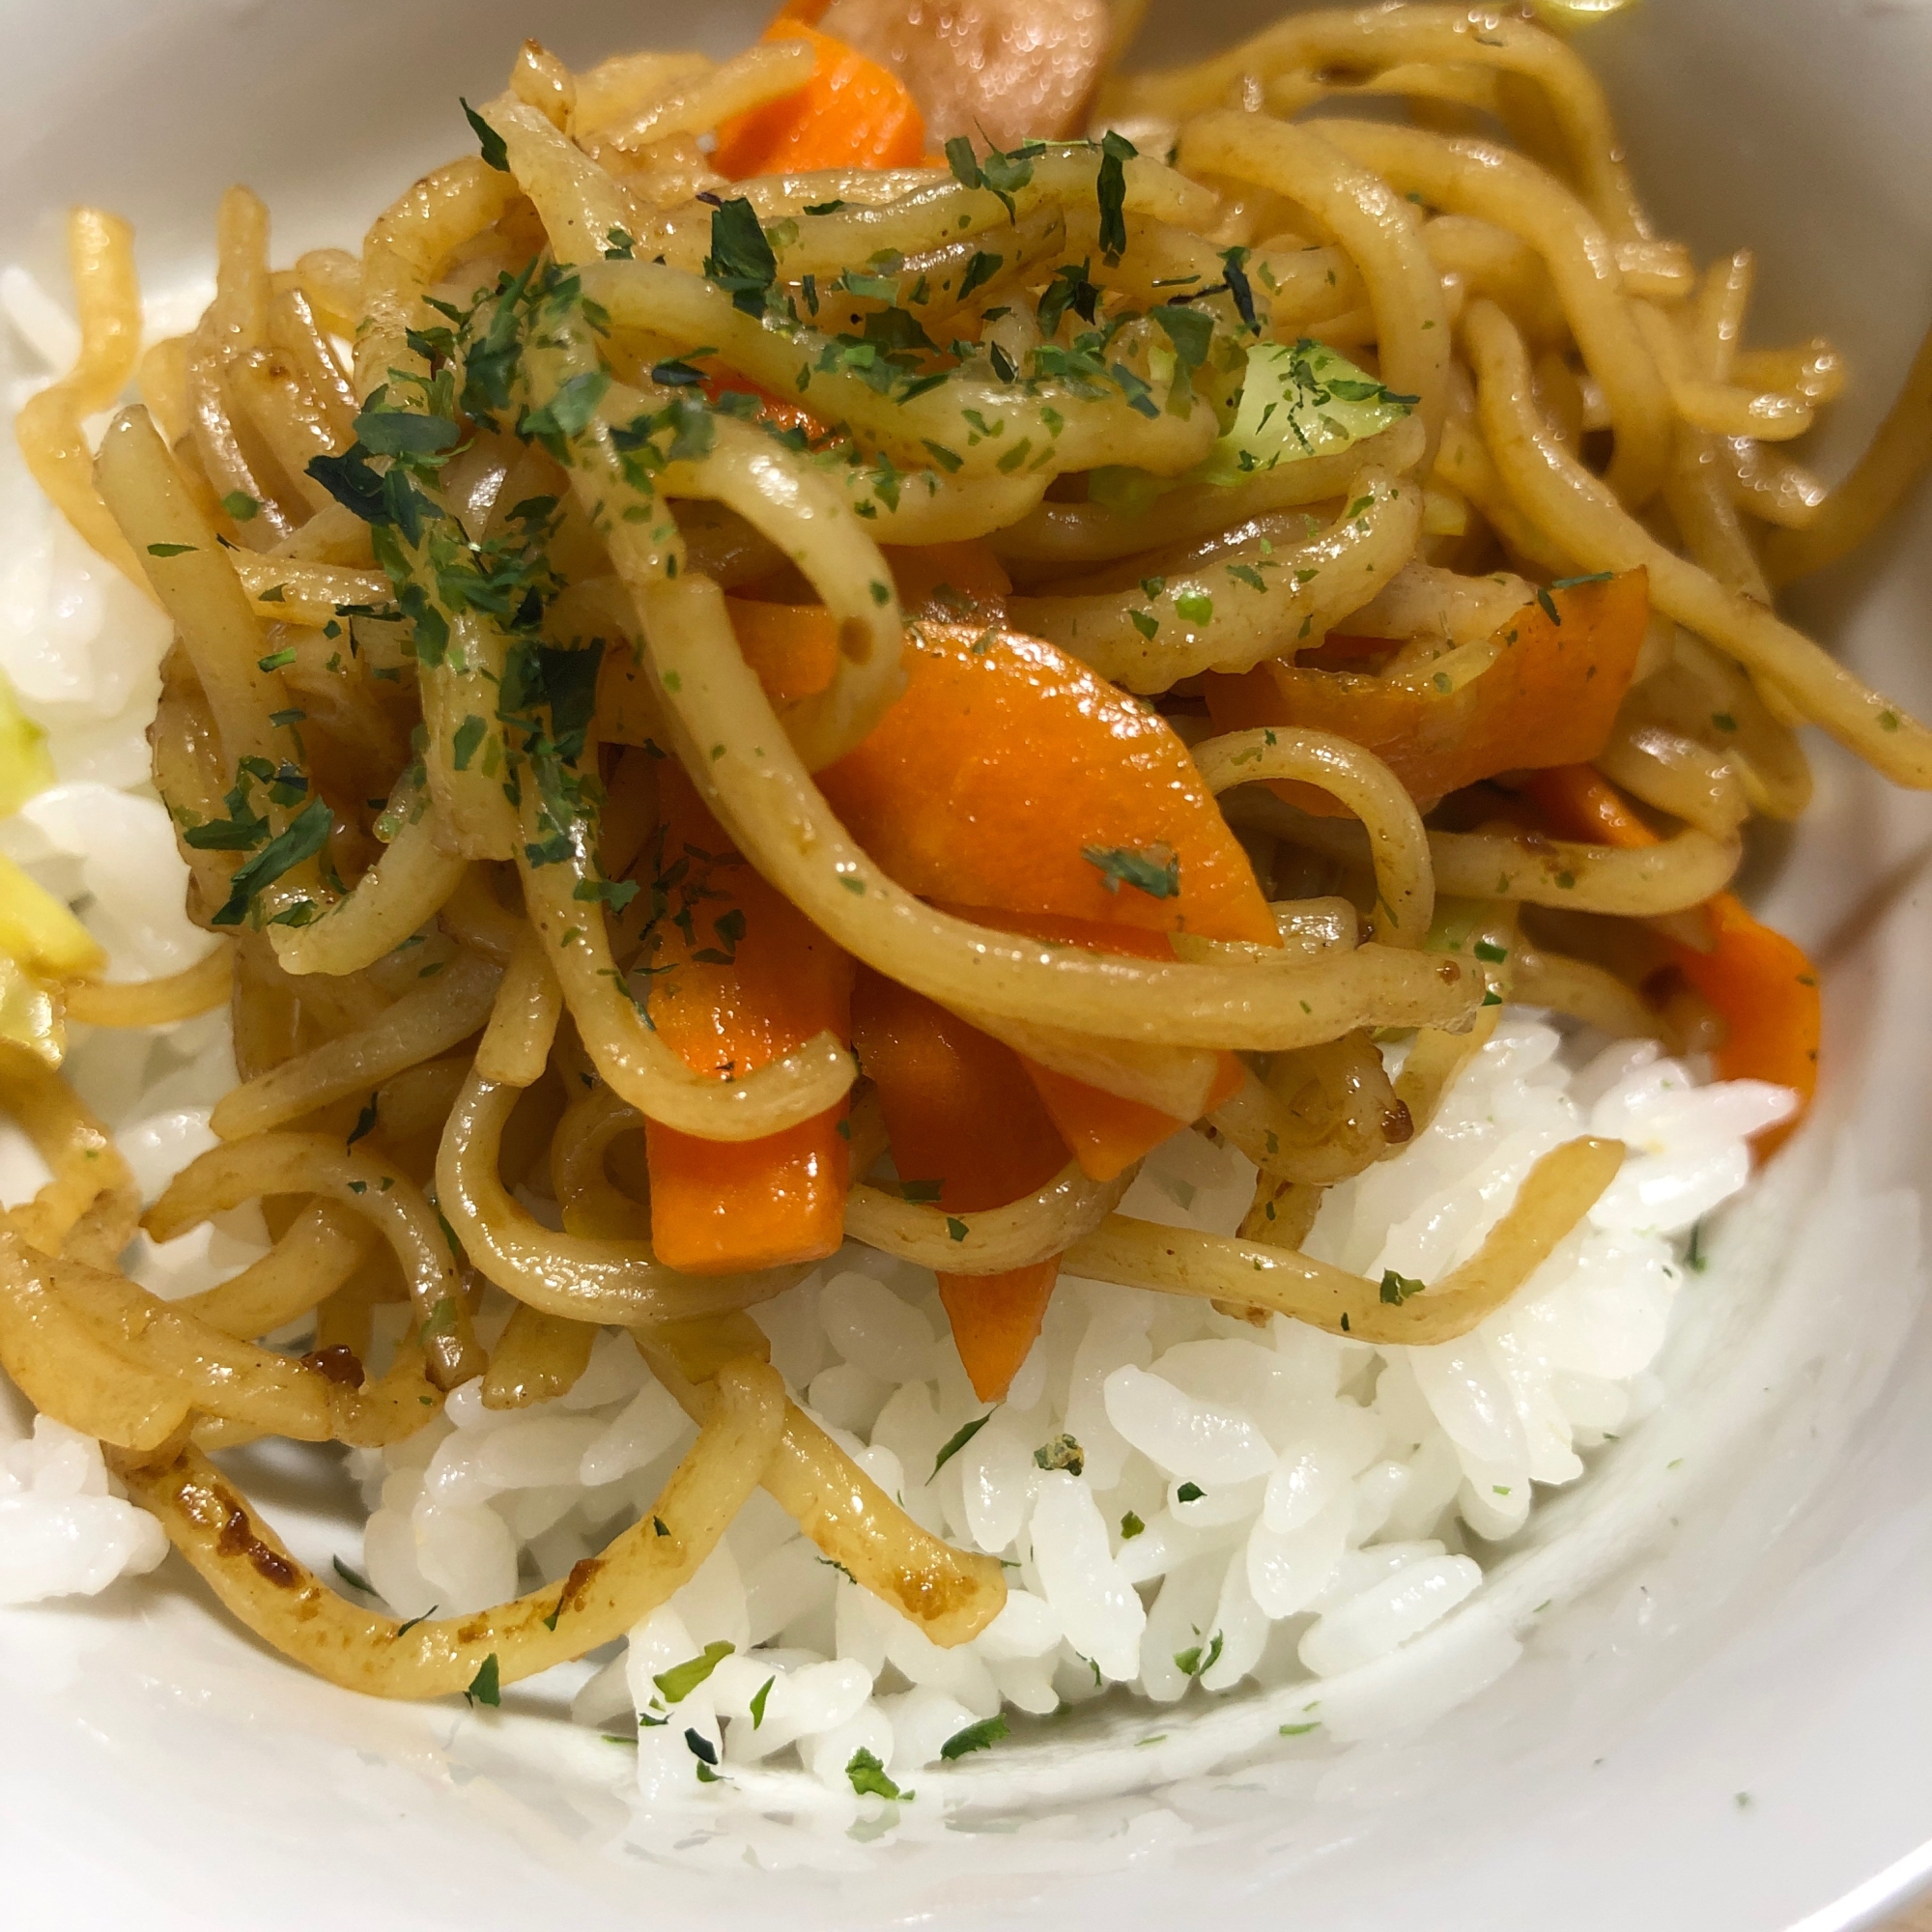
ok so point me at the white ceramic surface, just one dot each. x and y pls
(1723, 1720)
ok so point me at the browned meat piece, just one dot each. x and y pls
(1006, 68)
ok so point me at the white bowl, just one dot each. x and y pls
(1721, 1717)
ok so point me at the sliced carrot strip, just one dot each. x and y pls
(774, 411)
(792, 647)
(1550, 699)
(1004, 763)
(851, 113)
(968, 1130)
(943, 578)
(1759, 983)
(1106, 1131)
(744, 977)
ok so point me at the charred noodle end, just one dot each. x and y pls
(250, 1570)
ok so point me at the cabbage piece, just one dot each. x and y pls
(39, 933)
(1297, 399)
(25, 767)
(31, 1014)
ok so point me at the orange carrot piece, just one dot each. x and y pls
(1756, 981)
(774, 411)
(963, 1119)
(792, 647)
(938, 578)
(1106, 1131)
(851, 113)
(1550, 699)
(1005, 762)
(746, 979)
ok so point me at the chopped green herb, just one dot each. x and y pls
(741, 260)
(299, 840)
(1189, 1493)
(1196, 606)
(959, 1439)
(1488, 951)
(956, 1228)
(494, 153)
(1154, 872)
(349, 1577)
(677, 1684)
(277, 660)
(1193, 1663)
(169, 550)
(486, 1687)
(869, 1776)
(1398, 1288)
(403, 1629)
(1132, 1526)
(987, 1732)
(365, 1124)
(1111, 189)
(241, 506)
(980, 270)
(1061, 1452)
(465, 740)
(1300, 1730)
(759, 1696)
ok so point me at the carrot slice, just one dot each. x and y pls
(968, 1130)
(851, 113)
(774, 411)
(941, 579)
(1106, 1131)
(792, 647)
(1759, 983)
(1005, 764)
(1550, 699)
(743, 978)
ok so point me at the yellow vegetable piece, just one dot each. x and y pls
(39, 933)
(25, 767)
(30, 1014)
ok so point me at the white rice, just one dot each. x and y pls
(1184, 1504)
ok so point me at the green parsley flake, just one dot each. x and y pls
(677, 1684)
(486, 1687)
(491, 143)
(1154, 870)
(869, 1776)
(987, 1732)
(959, 1439)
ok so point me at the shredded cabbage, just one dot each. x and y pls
(1297, 399)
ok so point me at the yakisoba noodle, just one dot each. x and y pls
(601, 546)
